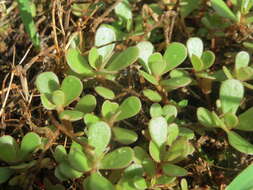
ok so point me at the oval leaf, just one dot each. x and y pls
(105, 92)
(129, 108)
(97, 182)
(174, 170)
(145, 50)
(231, 95)
(30, 142)
(152, 95)
(47, 82)
(72, 88)
(124, 157)
(158, 129)
(86, 104)
(241, 60)
(245, 120)
(195, 46)
(124, 136)
(99, 136)
(124, 59)
(9, 149)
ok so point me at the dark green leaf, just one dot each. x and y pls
(5, 174)
(174, 170)
(222, 9)
(68, 172)
(97, 182)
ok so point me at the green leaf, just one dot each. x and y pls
(174, 170)
(30, 142)
(46, 102)
(205, 117)
(95, 60)
(186, 132)
(139, 183)
(68, 172)
(188, 6)
(173, 132)
(90, 119)
(26, 13)
(86, 104)
(124, 136)
(195, 47)
(72, 88)
(222, 9)
(123, 59)
(158, 129)
(156, 64)
(175, 83)
(105, 92)
(243, 181)
(246, 5)
(105, 35)
(145, 50)
(197, 63)
(99, 136)
(77, 158)
(59, 175)
(71, 115)
(60, 154)
(165, 180)
(58, 98)
(109, 109)
(124, 12)
(124, 157)
(245, 120)
(155, 110)
(97, 182)
(230, 120)
(129, 108)
(241, 60)
(208, 58)
(9, 149)
(149, 78)
(244, 73)
(155, 151)
(184, 184)
(152, 95)
(139, 154)
(5, 174)
(47, 82)
(78, 63)
(169, 112)
(231, 95)
(239, 143)
(149, 166)
(174, 55)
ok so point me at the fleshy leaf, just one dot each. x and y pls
(231, 95)
(158, 129)
(71, 115)
(123, 59)
(173, 132)
(97, 182)
(124, 12)
(174, 55)
(105, 92)
(105, 35)
(60, 154)
(175, 83)
(47, 82)
(72, 88)
(9, 149)
(222, 9)
(241, 60)
(208, 58)
(243, 181)
(109, 108)
(245, 120)
(86, 104)
(155, 110)
(152, 95)
(239, 143)
(156, 64)
(154, 151)
(230, 120)
(46, 102)
(119, 158)
(174, 170)
(197, 63)
(68, 172)
(78, 63)
(99, 136)
(149, 78)
(58, 98)
(95, 60)
(129, 108)
(90, 119)
(30, 142)
(77, 158)
(205, 117)
(145, 50)
(195, 46)
(124, 136)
